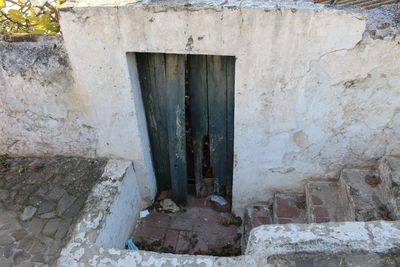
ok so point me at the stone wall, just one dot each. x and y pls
(41, 110)
(44, 111)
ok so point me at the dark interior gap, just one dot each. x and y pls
(191, 180)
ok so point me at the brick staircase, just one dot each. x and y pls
(356, 195)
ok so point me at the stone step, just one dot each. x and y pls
(255, 216)
(363, 191)
(289, 208)
(326, 203)
(389, 172)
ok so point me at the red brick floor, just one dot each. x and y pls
(198, 229)
(289, 208)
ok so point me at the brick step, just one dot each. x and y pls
(255, 216)
(289, 208)
(363, 190)
(327, 203)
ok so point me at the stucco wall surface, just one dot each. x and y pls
(41, 110)
(315, 90)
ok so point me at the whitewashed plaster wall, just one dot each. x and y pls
(314, 92)
(41, 110)
(314, 89)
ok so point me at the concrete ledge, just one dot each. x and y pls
(349, 237)
(111, 209)
(92, 255)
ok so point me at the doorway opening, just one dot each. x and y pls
(189, 106)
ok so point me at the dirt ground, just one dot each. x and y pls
(195, 229)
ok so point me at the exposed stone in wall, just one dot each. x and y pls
(39, 101)
(384, 21)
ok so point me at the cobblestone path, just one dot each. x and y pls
(40, 199)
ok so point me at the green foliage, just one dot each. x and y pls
(29, 16)
(3, 157)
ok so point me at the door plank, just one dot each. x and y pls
(150, 97)
(159, 87)
(197, 71)
(230, 94)
(217, 110)
(175, 98)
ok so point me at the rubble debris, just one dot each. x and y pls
(220, 200)
(144, 213)
(169, 206)
(28, 213)
(131, 245)
(231, 220)
(219, 203)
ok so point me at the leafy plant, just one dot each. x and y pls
(3, 157)
(29, 16)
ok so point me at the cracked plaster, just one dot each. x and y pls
(316, 89)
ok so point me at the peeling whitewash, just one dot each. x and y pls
(315, 88)
(371, 237)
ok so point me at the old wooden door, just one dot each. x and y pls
(162, 79)
(208, 83)
(211, 88)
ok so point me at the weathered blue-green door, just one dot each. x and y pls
(211, 92)
(207, 84)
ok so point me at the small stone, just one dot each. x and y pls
(46, 240)
(43, 190)
(51, 227)
(5, 240)
(48, 215)
(36, 225)
(56, 193)
(28, 213)
(221, 208)
(74, 210)
(46, 206)
(9, 224)
(64, 203)
(219, 203)
(38, 258)
(19, 234)
(55, 247)
(20, 256)
(37, 247)
(63, 228)
(169, 206)
(26, 243)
